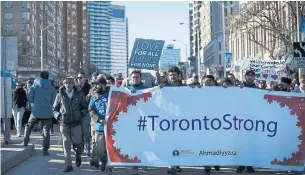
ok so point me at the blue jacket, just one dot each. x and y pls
(297, 90)
(97, 108)
(42, 96)
(139, 87)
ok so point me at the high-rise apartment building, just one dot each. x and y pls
(57, 21)
(195, 35)
(119, 41)
(170, 57)
(77, 37)
(214, 51)
(100, 15)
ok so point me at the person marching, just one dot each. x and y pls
(69, 108)
(97, 109)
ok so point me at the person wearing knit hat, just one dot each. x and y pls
(284, 85)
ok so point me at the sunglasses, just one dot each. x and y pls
(80, 78)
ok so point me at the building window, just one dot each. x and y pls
(219, 45)
(8, 27)
(23, 4)
(231, 2)
(225, 2)
(8, 4)
(226, 12)
(24, 27)
(232, 10)
(9, 16)
(24, 15)
(219, 58)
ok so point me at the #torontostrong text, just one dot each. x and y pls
(226, 123)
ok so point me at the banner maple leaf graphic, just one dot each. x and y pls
(297, 108)
(119, 103)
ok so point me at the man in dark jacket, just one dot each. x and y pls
(83, 83)
(85, 87)
(19, 104)
(69, 108)
(42, 96)
(250, 78)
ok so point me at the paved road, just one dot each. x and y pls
(54, 164)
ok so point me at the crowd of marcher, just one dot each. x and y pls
(79, 106)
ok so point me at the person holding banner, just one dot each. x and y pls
(209, 80)
(249, 83)
(227, 83)
(134, 85)
(173, 81)
(250, 80)
(136, 81)
(97, 109)
(232, 78)
(284, 85)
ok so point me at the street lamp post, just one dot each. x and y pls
(185, 50)
(41, 45)
(198, 46)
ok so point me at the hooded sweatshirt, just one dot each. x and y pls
(42, 95)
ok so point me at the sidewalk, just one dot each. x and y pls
(14, 153)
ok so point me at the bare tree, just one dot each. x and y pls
(269, 24)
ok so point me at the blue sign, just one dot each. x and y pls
(146, 54)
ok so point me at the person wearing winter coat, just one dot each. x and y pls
(69, 108)
(19, 104)
(42, 96)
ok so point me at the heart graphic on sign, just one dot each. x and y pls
(257, 75)
(265, 76)
(274, 77)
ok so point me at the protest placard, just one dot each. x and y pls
(146, 54)
(272, 70)
(154, 127)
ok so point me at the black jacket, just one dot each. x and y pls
(19, 98)
(85, 88)
(70, 112)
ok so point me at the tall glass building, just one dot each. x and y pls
(119, 43)
(100, 14)
(170, 57)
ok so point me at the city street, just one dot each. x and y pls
(54, 164)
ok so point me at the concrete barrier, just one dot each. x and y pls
(12, 155)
